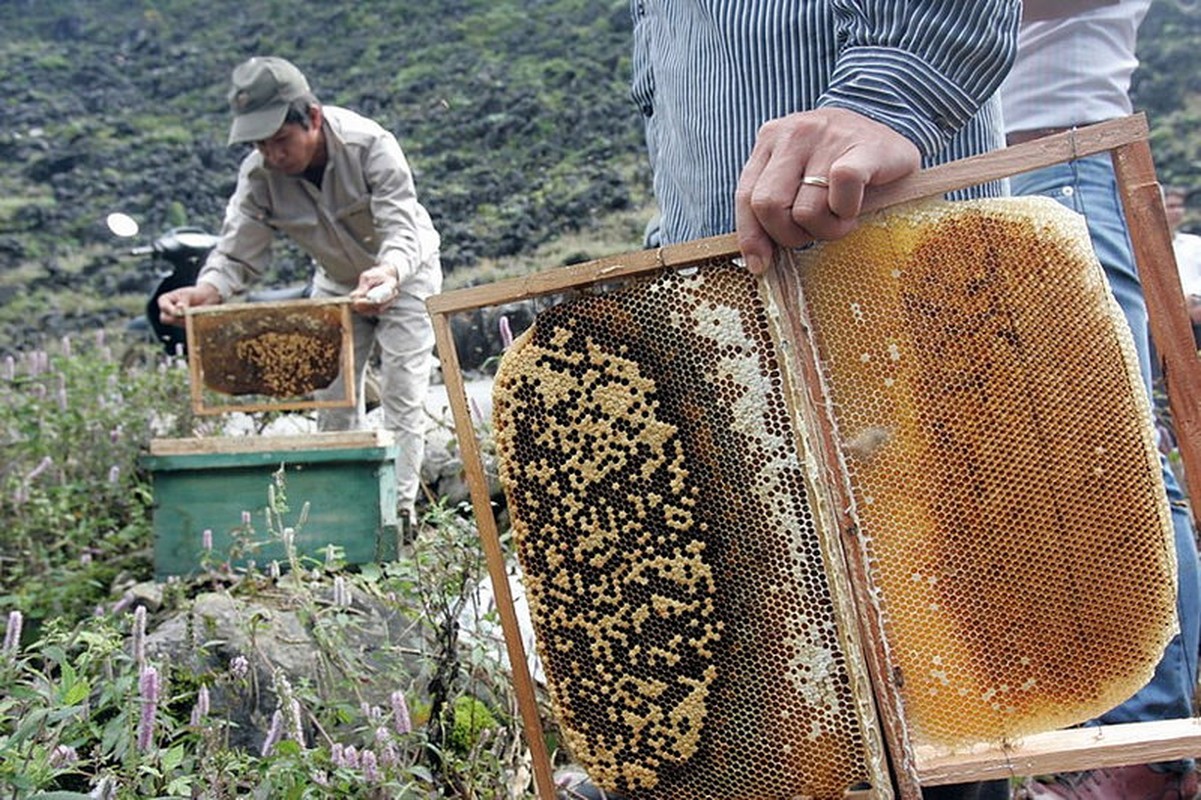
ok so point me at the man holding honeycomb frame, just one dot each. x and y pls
(338, 185)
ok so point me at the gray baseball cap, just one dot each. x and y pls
(263, 89)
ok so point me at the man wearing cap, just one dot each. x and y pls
(339, 186)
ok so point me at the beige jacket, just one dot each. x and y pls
(365, 213)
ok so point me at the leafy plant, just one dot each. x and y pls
(89, 708)
(73, 501)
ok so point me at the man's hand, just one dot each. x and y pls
(172, 305)
(839, 152)
(377, 289)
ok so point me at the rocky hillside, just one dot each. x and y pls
(514, 114)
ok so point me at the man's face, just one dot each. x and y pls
(293, 147)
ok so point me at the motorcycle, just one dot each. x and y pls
(177, 256)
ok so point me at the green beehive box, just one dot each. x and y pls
(347, 478)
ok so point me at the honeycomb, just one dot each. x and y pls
(287, 364)
(996, 441)
(274, 349)
(690, 613)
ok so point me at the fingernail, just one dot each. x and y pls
(755, 264)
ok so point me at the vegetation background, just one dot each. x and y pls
(514, 114)
(527, 151)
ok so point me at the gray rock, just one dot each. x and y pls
(275, 631)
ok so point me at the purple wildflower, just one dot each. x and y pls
(245, 518)
(336, 756)
(296, 728)
(114, 475)
(12, 633)
(370, 768)
(206, 540)
(201, 709)
(341, 594)
(400, 713)
(273, 733)
(125, 602)
(149, 690)
(506, 333)
(63, 755)
(10, 368)
(388, 755)
(350, 757)
(139, 634)
(239, 667)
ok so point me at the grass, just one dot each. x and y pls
(87, 707)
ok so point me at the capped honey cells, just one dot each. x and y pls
(674, 563)
(288, 364)
(998, 445)
(280, 350)
(676, 513)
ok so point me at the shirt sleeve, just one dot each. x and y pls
(922, 67)
(245, 233)
(393, 206)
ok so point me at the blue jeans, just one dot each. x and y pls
(1089, 187)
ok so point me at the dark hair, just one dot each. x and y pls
(298, 111)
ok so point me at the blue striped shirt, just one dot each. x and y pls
(709, 73)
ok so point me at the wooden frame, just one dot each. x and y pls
(1081, 748)
(198, 358)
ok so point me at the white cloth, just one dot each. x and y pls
(1187, 247)
(1074, 70)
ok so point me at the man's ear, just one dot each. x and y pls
(316, 116)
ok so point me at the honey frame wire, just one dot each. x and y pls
(1126, 140)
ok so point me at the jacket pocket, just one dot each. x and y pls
(357, 219)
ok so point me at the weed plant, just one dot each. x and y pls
(89, 710)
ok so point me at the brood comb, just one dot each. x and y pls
(674, 515)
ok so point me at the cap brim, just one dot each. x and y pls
(257, 125)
